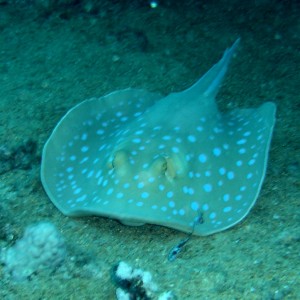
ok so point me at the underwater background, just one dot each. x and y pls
(56, 53)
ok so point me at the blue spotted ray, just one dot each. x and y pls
(142, 158)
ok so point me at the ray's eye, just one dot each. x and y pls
(110, 163)
(160, 166)
(164, 166)
(117, 160)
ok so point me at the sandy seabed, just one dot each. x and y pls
(50, 60)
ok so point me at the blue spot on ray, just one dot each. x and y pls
(132, 156)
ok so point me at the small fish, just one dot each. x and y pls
(177, 249)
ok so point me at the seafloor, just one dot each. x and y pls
(55, 54)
